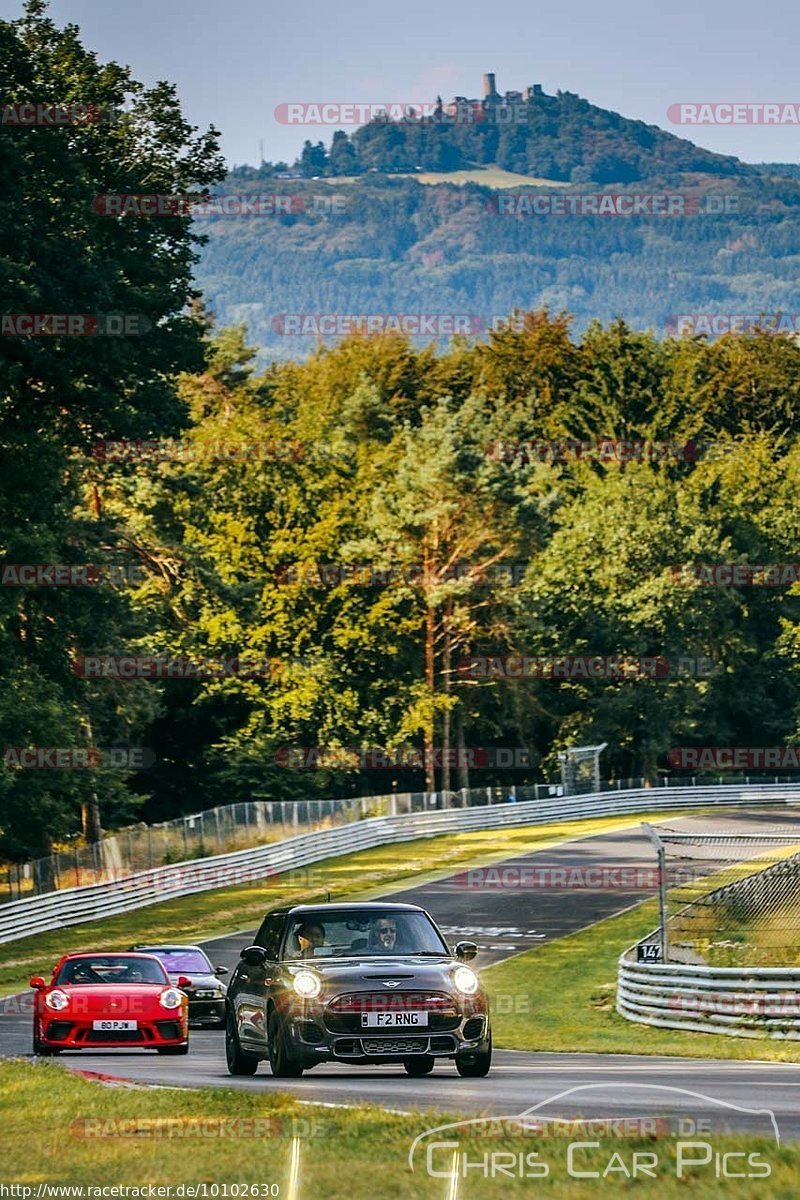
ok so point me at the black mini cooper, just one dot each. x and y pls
(361, 984)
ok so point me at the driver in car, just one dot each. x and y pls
(83, 972)
(383, 935)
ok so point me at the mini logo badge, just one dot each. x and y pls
(391, 982)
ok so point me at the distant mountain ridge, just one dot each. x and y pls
(454, 251)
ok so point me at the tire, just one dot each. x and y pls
(173, 1049)
(475, 1064)
(283, 1063)
(420, 1065)
(238, 1062)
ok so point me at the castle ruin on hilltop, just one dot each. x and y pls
(491, 97)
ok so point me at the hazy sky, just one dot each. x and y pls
(234, 61)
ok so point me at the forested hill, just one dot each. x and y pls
(381, 246)
(561, 137)
(450, 217)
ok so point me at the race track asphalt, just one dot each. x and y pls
(505, 922)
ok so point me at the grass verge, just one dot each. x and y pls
(227, 910)
(345, 1154)
(562, 997)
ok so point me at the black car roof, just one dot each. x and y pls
(363, 906)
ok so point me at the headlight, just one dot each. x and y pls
(56, 1000)
(171, 998)
(307, 985)
(465, 980)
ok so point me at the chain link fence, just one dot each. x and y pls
(223, 830)
(728, 899)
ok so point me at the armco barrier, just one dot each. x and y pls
(71, 906)
(757, 1002)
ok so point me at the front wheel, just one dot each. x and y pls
(282, 1061)
(474, 1064)
(416, 1067)
(238, 1062)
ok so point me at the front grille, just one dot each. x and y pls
(473, 1028)
(399, 1047)
(390, 1001)
(169, 1029)
(206, 1008)
(395, 1046)
(58, 1030)
(114, 1035)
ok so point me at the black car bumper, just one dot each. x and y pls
(207, 1012)
(315, 1043)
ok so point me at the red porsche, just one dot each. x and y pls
(105, 1001)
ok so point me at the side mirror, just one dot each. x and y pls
(184, 981)
(465, 951)
(254, 956)
(37, 982)
(220, 970)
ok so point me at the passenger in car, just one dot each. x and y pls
(306, 938)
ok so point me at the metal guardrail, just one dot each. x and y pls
(72, 906)
(757, 1002)
(238, 826)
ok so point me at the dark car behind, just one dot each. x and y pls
(206, 992)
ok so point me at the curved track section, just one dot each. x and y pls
(505, 922)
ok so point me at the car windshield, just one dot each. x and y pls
(112, 968)
(364, 934)
(179, 962)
